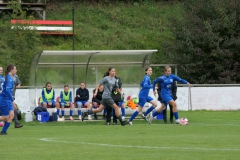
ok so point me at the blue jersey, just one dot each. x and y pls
(166, 83)
(7, 89)
(145, 87)
(1, 83)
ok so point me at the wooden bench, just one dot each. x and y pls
(47, 27)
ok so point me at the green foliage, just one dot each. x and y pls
(19, 44)
(206, 45)
(115, 26)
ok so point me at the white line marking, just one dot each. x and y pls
(142, 147)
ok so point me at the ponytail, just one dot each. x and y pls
(8, 69)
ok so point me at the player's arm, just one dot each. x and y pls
(9, 91)
(157, 80)
(181, 80)
(43, 96)
(145, 84)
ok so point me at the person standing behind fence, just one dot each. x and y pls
(97, 99)
(48, 97)
(166, 81)
(6, 98)
(66, 101)
(174, 96)
(144, 96)
(82, 97)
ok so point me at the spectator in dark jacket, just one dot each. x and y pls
(174, 96)
(82, 97)
(96, 100)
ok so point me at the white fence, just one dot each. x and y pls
(195, 98)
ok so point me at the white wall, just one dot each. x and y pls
(209, 98)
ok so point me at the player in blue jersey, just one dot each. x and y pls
(166, 81)
(1, 78)
(6, 98)
(1, 84)
(144, 96)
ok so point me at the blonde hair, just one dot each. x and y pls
(166, 68)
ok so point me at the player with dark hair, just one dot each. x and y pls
(48, 97)
(166, 81)
(66, 101)
(82, 97)
(96, 101)
(144, 96)
(6, 98)
(109, 82)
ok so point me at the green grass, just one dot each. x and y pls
(209, 135)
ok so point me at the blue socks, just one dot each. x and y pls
(58, 110)
(175, 115)
(5, 127)
(123, 111)
(149, 110)
(62, 112)
(133, 116)
(79, 112)
(155, 113)
(71, 112)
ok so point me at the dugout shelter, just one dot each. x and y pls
(72, 67)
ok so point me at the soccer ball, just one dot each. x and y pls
(1, 124)
(134, 98)
(183, 121)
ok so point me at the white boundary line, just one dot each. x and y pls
(142, 147)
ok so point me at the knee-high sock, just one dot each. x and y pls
(155, 114)
(133, 116)
(15, 119)
(58, 110)
(5, 127)
(71, 112)
(123, 111)
(175, 115)
(149, 110)
(79, 112)
(62, 112)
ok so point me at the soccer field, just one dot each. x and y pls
(209, 135)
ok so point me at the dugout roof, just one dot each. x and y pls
(72, 67)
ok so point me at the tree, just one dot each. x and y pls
(18, 45)
(207, 41)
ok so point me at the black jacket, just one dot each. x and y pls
(174, 91)
(98, 97)
(115, 95)
(84, 94)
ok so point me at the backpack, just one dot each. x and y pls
(53, 117)
(39, 109)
